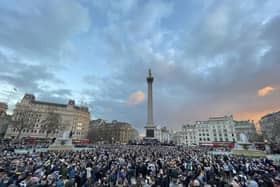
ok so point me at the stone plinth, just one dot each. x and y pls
(150, 132)
(63, 144)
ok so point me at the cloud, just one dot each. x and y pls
(37, 39)
(210, 67)
(265, 91)
(216, 65)
(41, 29)
(25, 76)
(208, 58)
(136, 98)
(38, 79)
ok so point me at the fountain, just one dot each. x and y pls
(62, 143)
(245, 148)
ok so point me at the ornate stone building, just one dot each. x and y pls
(163, 135)
(208, 132)
(3, 109)
(190, 134)
(73, 118)
(270, 127)
(216, 129)
(5, 119)
(114, 132)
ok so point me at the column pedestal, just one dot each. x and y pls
(150, 132)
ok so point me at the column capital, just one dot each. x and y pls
(150, 79)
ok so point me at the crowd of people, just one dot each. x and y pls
(134, 165)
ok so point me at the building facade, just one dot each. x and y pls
(214, 130)
(163, 135)
(3, 109)
(73, 118)
(190, 134)
(178, 137)
(217, 129)
(5, 119)
(270, 127)
(114, 132)
(246, 127)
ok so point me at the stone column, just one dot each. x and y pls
(150, 127)
(150, 121)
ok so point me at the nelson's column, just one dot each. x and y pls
(150, 127)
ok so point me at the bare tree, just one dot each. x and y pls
(51, 123)
(24, 120)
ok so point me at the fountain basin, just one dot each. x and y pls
(246, 148)
(248, 153)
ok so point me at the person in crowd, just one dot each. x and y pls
(134, 165)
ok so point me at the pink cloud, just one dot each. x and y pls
(265, 90)
(136, 98)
